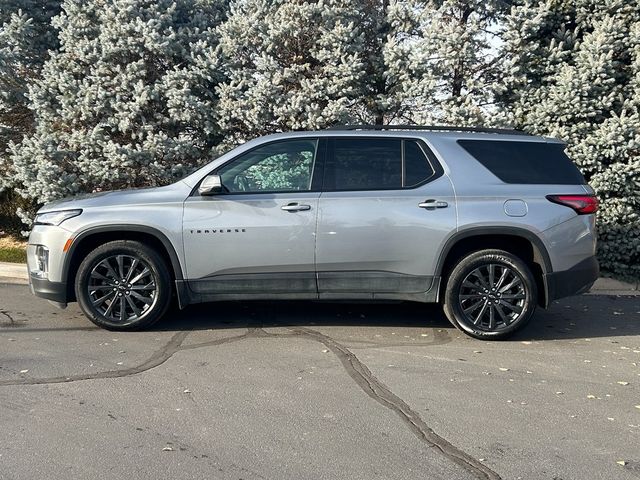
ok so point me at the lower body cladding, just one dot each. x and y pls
(366, 285)
(55, 292)
(575, 280)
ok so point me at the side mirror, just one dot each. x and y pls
(211, 185)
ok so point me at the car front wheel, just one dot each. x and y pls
(490, 294)
(123, 285)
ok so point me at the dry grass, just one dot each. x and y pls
(10, 242)
(13, 250)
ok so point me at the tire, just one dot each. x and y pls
(135, 304)
(496, 312)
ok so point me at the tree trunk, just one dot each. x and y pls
(458, 73)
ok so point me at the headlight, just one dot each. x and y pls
(56, 218)
(42, 261)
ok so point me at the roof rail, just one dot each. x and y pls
(442, 128)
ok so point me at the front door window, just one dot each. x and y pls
(285, 166)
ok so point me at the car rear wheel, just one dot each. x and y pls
(123, 285)
(490, 294)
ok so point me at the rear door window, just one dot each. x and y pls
(375, 164)
(417, 168)
(525, 162)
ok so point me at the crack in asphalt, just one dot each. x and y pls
(6, 314)
(213, 343)
(439, 338)
(157, 358)
(52, 329)
(357, 370)
(383, 395)
(252, 332)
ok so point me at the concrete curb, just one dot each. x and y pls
(610, 286)
(14, 273)
(17, 273)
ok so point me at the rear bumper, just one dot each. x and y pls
(55, 292)
(574, 281)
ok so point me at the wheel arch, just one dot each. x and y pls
(93, 237)
(518, 241)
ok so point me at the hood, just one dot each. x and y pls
(176, 192)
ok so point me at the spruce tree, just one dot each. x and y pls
(26, 37)
(307, 64)
(289, 65)
(574, 73)
(431, 61)
(128, 100)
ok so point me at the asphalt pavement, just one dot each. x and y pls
(310, 390)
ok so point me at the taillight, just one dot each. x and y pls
(582, 204)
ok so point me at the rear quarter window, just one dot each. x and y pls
(525, 162)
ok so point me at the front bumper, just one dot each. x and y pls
(49, 283)
(574, 281)
(55, 292)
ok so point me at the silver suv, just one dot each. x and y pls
(490, 223)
